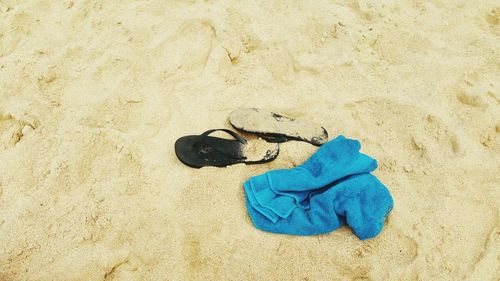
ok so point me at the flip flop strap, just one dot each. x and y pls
(233, 134)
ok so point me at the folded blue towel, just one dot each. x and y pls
(332, 188)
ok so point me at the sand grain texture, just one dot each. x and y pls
(93, 95)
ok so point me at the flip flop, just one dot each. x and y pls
(277, 128)
(203, 150)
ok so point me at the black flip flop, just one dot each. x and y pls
(277, 128)
(203, 150)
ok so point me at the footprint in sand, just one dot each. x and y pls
(198, 36)
(493, 16)
(14, 31)
(11, 131)
(475, 108)
(399, 127)
(243, 44)
(200, 262)
(471, 100)
(489, 20)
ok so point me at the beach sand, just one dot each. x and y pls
(93, 95)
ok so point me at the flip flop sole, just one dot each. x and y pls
(277, 128)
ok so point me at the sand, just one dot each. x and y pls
(94, 94)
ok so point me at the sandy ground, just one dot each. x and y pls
(94, 95)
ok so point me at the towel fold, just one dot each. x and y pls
(332, 188)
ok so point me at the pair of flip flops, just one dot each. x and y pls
(204, 150)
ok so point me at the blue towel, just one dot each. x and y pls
(332, 188)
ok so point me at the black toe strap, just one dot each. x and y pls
(233, 134)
